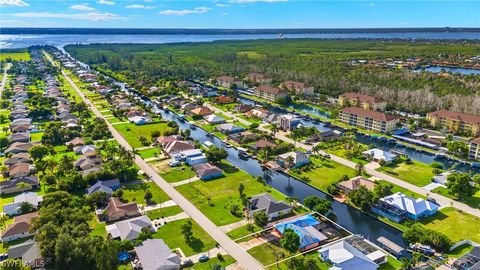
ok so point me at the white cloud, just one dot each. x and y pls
(13, 3)
(197, 10)
(137, 6)
(82, 8)
(222, 5)
(106, 2)
(371, 4)
(255, 1)
(90, 16)
(224, 14)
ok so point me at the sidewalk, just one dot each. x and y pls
(187, 181)
(233, 226)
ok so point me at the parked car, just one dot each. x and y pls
(187, 263)
(203, 258)
(174, 163)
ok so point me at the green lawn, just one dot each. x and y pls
(164, 212)
(36, 137)
(149, 153)
(175, 174)
(266, 253)
(98, 228)
(173, 237)
(460, 251)
(455, 224)
(136, 193)
(223, 192)
(322, 174)
(132, 132)
(242, 231)
(405, 191)
(473, 201)
(391, 264)
(17, 56)
(416, 173)
(208, 265)
(320, 265)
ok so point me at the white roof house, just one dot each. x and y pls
(214, 119)
(442, 177)
(129, 229)
(414, 207)
(378, 154)
(154, 254)
(28, 197)
(344, 256)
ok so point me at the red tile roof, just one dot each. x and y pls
(294, 84)
(370, 114)
(464, 117)
(270, 89)
(476, 141)
(361, 97)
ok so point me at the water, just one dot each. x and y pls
(22, 41)
(438, 69)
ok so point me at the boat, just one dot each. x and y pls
(424, 249)
(242, 153)
(209, 135)
(192, 126)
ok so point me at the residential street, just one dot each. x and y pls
(4, 78)
(442, 200)
(247, 261)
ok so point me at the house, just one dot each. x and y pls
(257, 113)
(154, 254)
(214, 119)
(19, 137)
(229, 128)
(20, 228)
(31, 198)
(11, 186)
(258, 78)
(17, 158)
(242, 137)
(107, 186)
(266, 203)
(18, 147)
(289, 122)
(83, 149)
(139, 120)
(191, 157)
(229, 81)
(345, 255)
(207, 171)
(176, 147)
(164, 140)
(363, 101)
(326, 136)
(19, 170)
(261, 144)
(295, 159)
(442, 177)
(368, 119)
(129, 229)
(415, 208)
(89, 163)
(77, 141)
(243, 108)
(469, 261)
(474, 149)
(223, 100)
(201, 111)
(28, 252)
(377, 155)
(269, 93)
(457, 122)
(355, 183)
(307, 227)
(116, 209)
(298, 88)
(20, 128)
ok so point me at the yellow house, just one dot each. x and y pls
(368, 119)
(363, 101)
(474, 151)
(269, 93)
(455, 121)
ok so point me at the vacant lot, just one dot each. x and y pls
(414, 172)
(136, 193)
(17, 56)
(132, 132)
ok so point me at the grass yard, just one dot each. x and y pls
(473, 201)
(149, 153)
(223, 192)
(164, 212)
(322, 174)
(172, 236)
(15, 55)
(175, 174)
(460, 251)
(320, 265)
(132, 132)
(36, 137)
(208, 265)
(136, 193)
(415, 173)
(98, 228)
(391, 264)
(455, 224)
(405, 191)
(242, 231)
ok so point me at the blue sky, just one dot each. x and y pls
(238, 13)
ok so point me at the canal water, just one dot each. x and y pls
(438, 69)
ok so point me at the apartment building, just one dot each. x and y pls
(455, 121)
(474, 151)
(363, 101)
(368, 119)
(298, 88)
(228, 81)
(289, 122)
(258, 78)
(269, 93)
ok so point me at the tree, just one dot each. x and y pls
(290, 240)
(311, 201)
(381, 190)
(23, 186)
(458, 184)
(260, 218)
(361, 197)
(148, 196)
(241, 188)
(187, 232)
(25, 208)
(458, 148)
(38, 152)
(323, 207)
(215, 154)
(234, 209)
(360, 168)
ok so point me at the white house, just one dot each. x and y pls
(26, 197)
(214, 119)
(415, 208)
(376, 155)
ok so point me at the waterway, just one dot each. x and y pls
(438, 69)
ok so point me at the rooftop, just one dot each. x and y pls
(370, 114)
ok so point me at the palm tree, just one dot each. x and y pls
(290, 160)
(23, 186)
(3, 219)
(273, 129)
(316, 149)
(360, 168)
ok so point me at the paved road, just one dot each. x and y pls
(4, 78)
(442, 200)
(247, 261)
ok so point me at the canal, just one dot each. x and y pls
(438, 69)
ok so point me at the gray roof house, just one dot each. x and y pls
(18, 147)
(229, 128)
(154, 254)
(28, 252)
(107, 186)
(129, 229)
(19, 137)
(266, 203)
(10, 186)
(27, 197)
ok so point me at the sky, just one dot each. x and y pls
(238, 13)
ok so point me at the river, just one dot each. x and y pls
(22, 41)
(438, 69)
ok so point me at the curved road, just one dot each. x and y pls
(232, 248)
